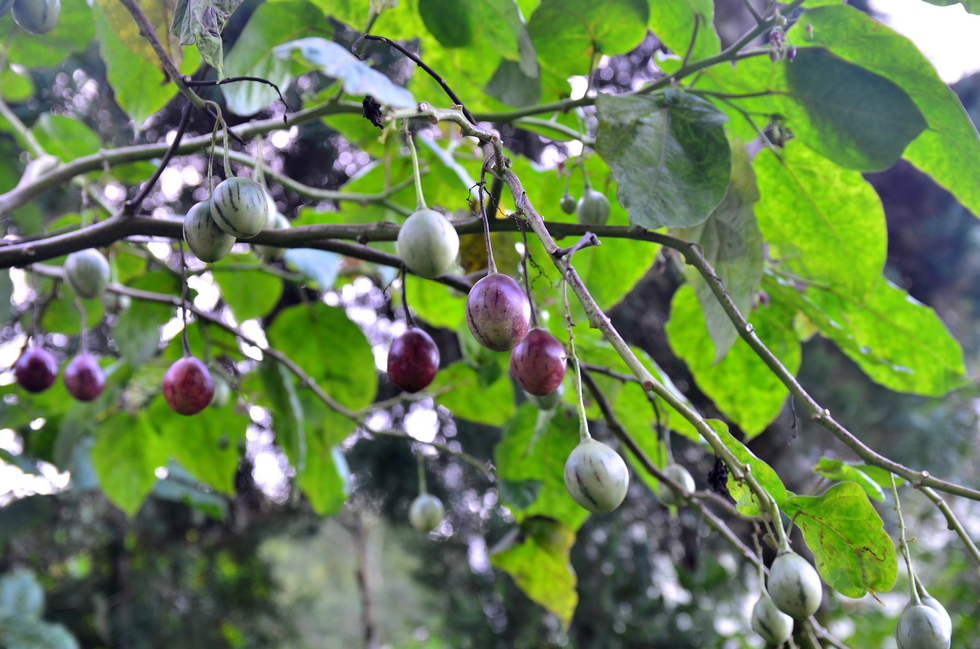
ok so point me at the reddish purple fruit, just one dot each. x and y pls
(413, 360)
(84, 378)
(36, 369)
(188, 386)
(498, 312)
(538, 363)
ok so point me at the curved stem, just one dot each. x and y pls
(527, 281)
(82, 325)
(417, 177)
(183, 299)
(903, 543)
(409, 320)
(421, 469)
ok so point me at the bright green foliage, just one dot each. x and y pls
(674, 23)
(127, 452)
(844, 472)
(248, 294)
(470, 397)
(745, 500)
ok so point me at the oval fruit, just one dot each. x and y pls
(36, 16)
(36, 369)
(538, 363)
(413, 360)
(772, 625)
(428, 244)
(84, 378)
(240, 207)
(498, 313)
(596, 477)
(681, 476)
(568, 203)
(87, 273)
(794, 586)
(921, 627)
(548, 401)
(115, 303)
(592, 208)
(188, 386)
(933, 603)
(426, 513)
(207, 241)
(280, 222)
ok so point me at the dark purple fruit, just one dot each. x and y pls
(538, 363)
(413, 360)
(498, 312)
(188, 386)
(84, 378)
(36, 369)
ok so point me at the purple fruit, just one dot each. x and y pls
(36, 369)
(498, 312)
(84, 378)
(188, 386)
(413, 360)
(538, 363)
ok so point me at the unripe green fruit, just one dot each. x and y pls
(87, 273)
(548, 401)
(772, 625)
(280, 222)
(207, 241)
(5, 6)
(596, 477)
(568, 203)
(240, 207)
(426, 513)
(271, 211)
(794, 586)
(222, 392)
(428, 244)
(115, 303)
(681, 476)
(592, 208)
(36, 16)
(921, 627)
(934, 604)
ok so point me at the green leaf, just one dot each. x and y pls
(461, 391)
(449, 21)
(326, 480)
(854, 555)
(318, 266)
(568, 33)
(205, 444)
(741, 385)
(822, 222)
(971, 6)
(513, 87)
(843, 472)
(62, 314)
(356, 76)
(126, 454)
(949, 149)
(16, 87)
(501, 23)
(436, 303)
(190, 494)
(65, 137)
(201, 22)
(896, 340)
(731, 242)
(270, 25)
(669, 154)
(249, 293)
(137, 333)
(71, 35)
(288, 421)
(745, 500)
(330, 348)
(673, 21)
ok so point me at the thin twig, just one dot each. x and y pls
(220, 82)
(587, 241)
(133, 204)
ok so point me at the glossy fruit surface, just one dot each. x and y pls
(680, 475)
(548, 401)
(87, 273)
(596, 477)
(592, 208)
(36, 16)
(36, 369)
(240, 207)
(934, 604)
(772, 625)
(426, 513)
(568, 203)
(794, 586)
(207, 241)
(280, 222)
(84, 378)
(921, 627)
(188, 386)
(498, 313)
(428, 244)
(538, 363)
(413, 360)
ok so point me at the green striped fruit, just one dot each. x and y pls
(794, 586)
(568, 203)
(933, 603)
(426, 513)
(240, 207)
(921, 627)
(772, 625)
(87, 273)
(681, 476)
(36, 16)
(280, 222)
(207, 241)
(428, 244)
(592, 208)
(596, 477)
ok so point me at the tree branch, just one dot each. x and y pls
(133, 204)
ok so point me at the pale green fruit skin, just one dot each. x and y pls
(568, 204)
(87, 273)
(426, 513)
(772, 625)
(222, 392)
(548, 401)
(596, 477)
(272, 252)
(207, 241)
(934, 604)
(921, 627)
(271, 211)
(680, 475)
(428, 244)
(240, 207)
(592, 208)
(36, 16)
(794, 586)
(115, 303)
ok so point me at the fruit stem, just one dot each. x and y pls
(183, 299)
(904, 545)
(583, 423)
(409, 320)
(585, 177)
(82, 347)
(421, 469)
(419, 198)
(527, 281)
